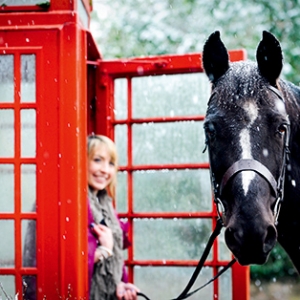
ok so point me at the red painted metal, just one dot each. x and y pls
(164, 64)
(61, 50)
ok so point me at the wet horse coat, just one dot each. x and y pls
(252, 134)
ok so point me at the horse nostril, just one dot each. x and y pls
(270, 239)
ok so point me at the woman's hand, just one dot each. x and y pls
(104, 235)
(126, 291)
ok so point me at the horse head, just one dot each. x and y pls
(247, 130)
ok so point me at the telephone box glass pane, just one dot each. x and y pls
(121, 142)
(29, 243)
(7, 194)
(122, 192)
(28, 133)
(83, 14)
(29, 287)
(170, 95)
(7, 238)
(225, 285)
(28, 187)
(120, 110)
(28, 78)
(23, 2)
(8, 283)
(182, 239)
(6, 78)
(7, 133)
(163, 143)
(169, 282)
(175, 191)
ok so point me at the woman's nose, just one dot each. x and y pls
(105, 167)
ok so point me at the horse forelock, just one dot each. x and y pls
(241, 81)
(242, 98)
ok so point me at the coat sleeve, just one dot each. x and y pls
(92, 245)
(100, 274)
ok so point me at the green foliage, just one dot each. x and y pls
(140, 28)
(278, 266)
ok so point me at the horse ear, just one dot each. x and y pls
(215, 58)
(269, 57)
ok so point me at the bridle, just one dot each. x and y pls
(241, 165)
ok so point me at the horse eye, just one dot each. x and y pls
(281, 129)
(210, 130)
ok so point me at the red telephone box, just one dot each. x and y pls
(54, 89)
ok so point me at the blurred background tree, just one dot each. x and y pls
(127, 28)
(130, 28)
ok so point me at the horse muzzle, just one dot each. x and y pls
(251, 246)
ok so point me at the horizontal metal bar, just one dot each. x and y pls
(159, 120)
(171, 263)
(169, 215)
(165, 167)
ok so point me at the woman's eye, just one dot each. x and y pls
(111, 164)
(97, 159)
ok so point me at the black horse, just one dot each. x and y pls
(253, 138)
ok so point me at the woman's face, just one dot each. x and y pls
(101, 169)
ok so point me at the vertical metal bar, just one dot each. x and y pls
(17, 168)
(215, 261)
(130, 174)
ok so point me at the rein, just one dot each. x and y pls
(185, 293)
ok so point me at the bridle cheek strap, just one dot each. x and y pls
(248, 165)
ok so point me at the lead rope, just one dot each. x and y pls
(185, 293)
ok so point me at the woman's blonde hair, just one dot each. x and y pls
(95, 141)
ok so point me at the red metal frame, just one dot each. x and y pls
(105, 122)
(61, 49)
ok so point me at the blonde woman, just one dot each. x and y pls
(106, 237)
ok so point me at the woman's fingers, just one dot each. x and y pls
(127, 291)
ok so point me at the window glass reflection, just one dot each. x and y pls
(29, 243)
(225, 285)
(182, 238)
(6, 78)
(7, 133)
(162, 143)
(8, 283)
(7, 238)
(29, 287)
(170, 95)
(28, 187)
(28, 78)
(28, 133)
(121, 142)
(120, 94)
(121, 194)
(21, 2)
(175, 191)
(7, 194)
(169, 282)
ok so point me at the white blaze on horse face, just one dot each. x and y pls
(252, 111)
